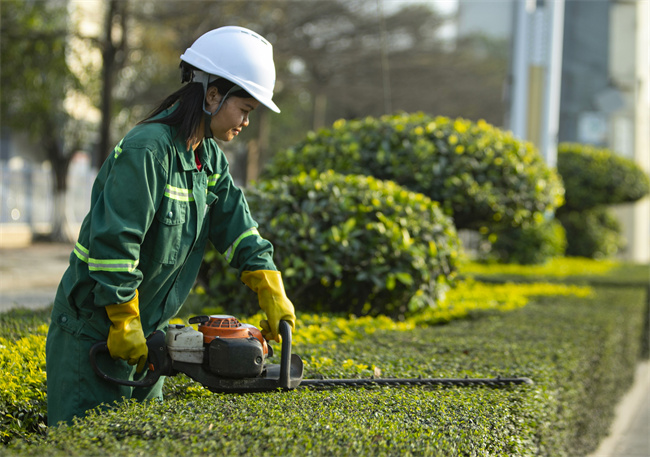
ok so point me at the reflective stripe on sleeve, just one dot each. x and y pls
(230, 252)
(118, 148)
(104, 264)
(212, 179)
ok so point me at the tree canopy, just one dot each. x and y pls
(35, 77)
(334, 59)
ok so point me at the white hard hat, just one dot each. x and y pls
(238, 55)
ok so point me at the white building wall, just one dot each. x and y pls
(630, 125)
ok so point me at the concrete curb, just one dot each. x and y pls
(630, 432)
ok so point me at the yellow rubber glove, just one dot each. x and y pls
(125, 337)
(273, 301)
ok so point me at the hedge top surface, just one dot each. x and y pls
(581, 352)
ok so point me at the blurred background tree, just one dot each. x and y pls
(36, 81)
(334, 59)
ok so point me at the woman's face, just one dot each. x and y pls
(232, 117)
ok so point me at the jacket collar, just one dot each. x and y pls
(207, 151)
(186, 155)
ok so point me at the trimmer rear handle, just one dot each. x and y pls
(158, 362)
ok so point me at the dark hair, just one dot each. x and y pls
(190, 99)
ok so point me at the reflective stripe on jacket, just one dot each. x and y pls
(152, 213)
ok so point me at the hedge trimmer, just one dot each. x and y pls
(227, 356)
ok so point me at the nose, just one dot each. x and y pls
(245, 121)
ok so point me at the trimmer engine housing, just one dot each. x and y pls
(225, 346)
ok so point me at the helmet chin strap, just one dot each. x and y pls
(205, 79)
(207, 129)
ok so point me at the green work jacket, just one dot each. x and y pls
(152, 213)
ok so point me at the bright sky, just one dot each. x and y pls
(444, 6)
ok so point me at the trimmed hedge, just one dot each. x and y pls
(481, 175)
(350, 244)
(581, 353)
(22, 354)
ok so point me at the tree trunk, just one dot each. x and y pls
(61, 230)
(112, 61)
(252, 161)
(320, 111)
(106, 109)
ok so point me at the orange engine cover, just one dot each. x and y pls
(223, 326)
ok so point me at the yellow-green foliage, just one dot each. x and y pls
(22, 385)
(468, 297)
(558, 267)
(471, 296)
(323, 328)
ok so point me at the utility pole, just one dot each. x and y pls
(537, 74)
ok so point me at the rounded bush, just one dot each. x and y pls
(592, 233)
(532, 244)
(480, 175)
(594, 176)
(351, 244)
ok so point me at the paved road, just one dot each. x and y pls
(29, 278)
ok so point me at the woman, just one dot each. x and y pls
(157, 200)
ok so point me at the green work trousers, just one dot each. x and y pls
(73, 388)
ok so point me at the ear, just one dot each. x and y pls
(212, 97)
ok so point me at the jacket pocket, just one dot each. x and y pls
(163, 240)
(69, 323)
(77, 327)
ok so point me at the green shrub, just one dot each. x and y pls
(531, 244)
(481, 175)
(350, 244)
(593, 233)
(594, 177)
